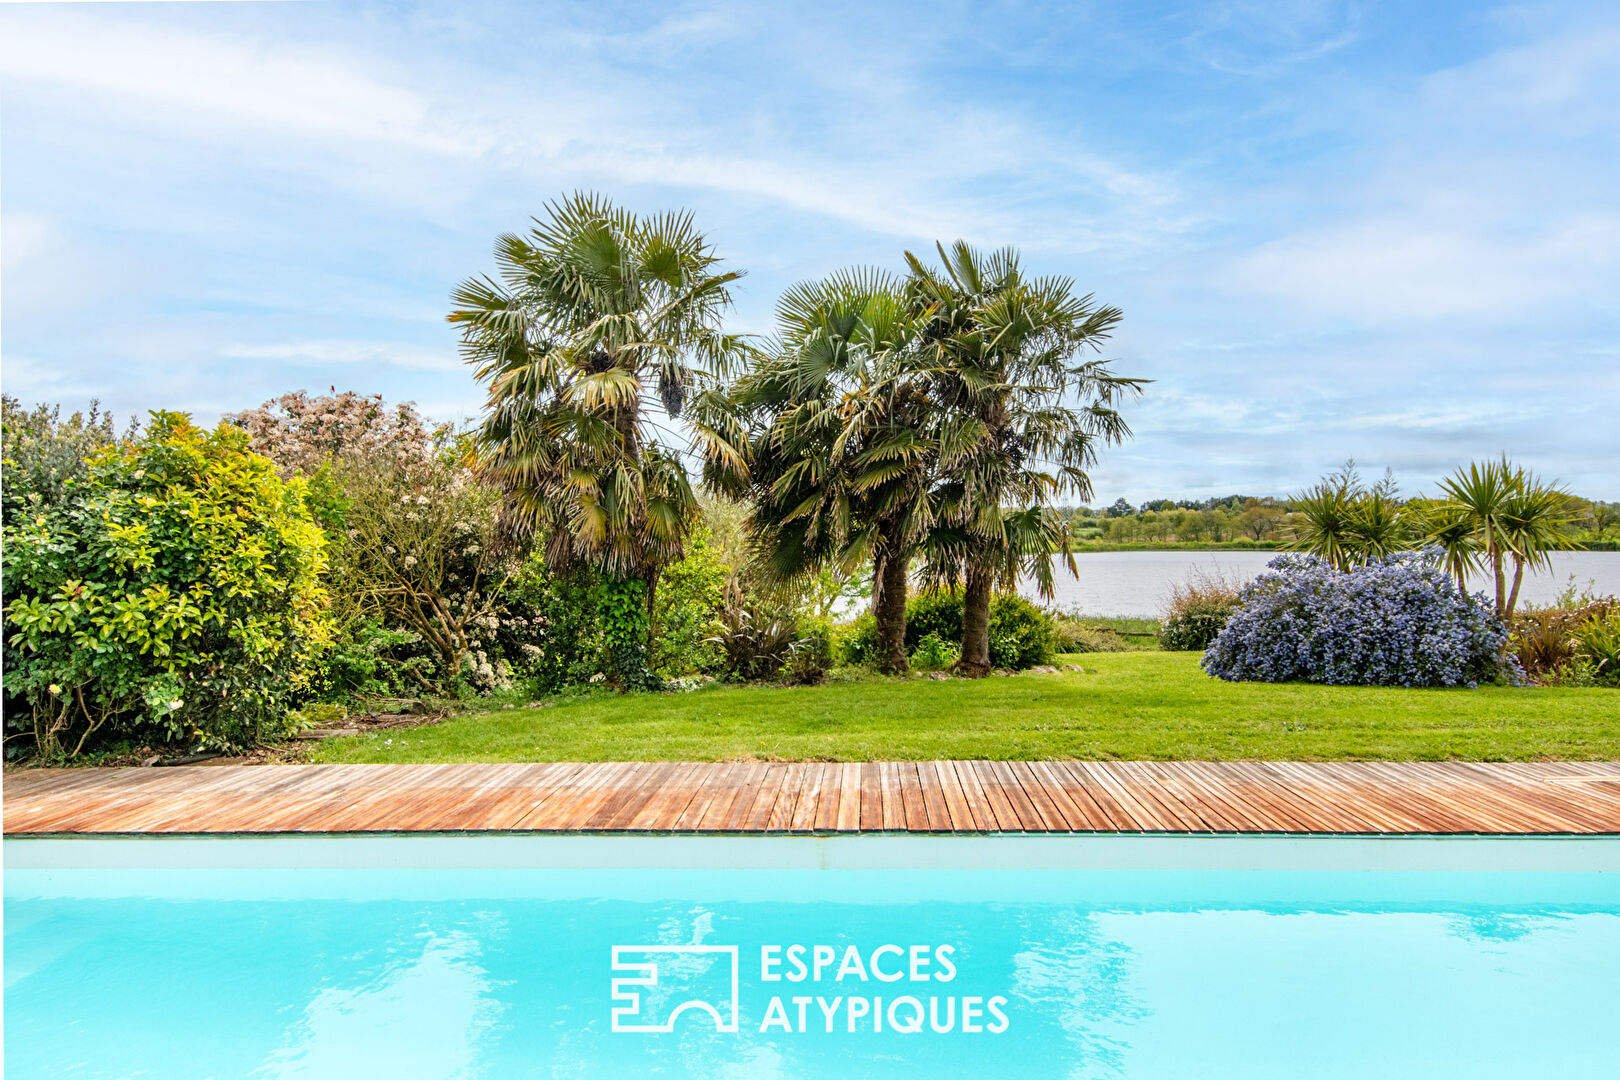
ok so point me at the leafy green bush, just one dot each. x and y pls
(812, 656)
(1199, 610)
(934, 653)
(559, 644)
(1597, 645)
(1020, 633)
(933, 611)
(856, 643)
(176, 596)
(686, 610)
(44, 456)
(367, 659)
(757, 642)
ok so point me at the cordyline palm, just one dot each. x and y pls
(1498, 513)
(1003, 355)
(834, 442)
(598, 320)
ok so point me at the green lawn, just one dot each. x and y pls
(1125, 705)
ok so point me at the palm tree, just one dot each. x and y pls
(1510, 516)
(1451, 529)
(1533, 525)
(1323, 519)
(1348, 524)
(1027, 419)
(832, 440)
(599, 321)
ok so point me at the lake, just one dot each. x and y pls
(1139, 582)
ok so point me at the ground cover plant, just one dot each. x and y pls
(1132, 705)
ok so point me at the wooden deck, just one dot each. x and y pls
(815, 797)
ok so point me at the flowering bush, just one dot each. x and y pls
(174, 595)
(301, 433)
(422, 551)
(1397, 621)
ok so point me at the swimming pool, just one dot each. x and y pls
(1076, 956)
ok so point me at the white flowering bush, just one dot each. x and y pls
(301, 433)
(1396, 621)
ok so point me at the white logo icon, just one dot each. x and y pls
(675, 978)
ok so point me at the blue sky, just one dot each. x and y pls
(1387, 231)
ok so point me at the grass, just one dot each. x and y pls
(1124, 705)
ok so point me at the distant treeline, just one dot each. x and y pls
(1262, 521)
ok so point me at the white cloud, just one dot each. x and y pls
(307, 91)
(1415, 267)
(365, 353)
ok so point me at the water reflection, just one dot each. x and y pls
(1079, 978)
(422, 1015)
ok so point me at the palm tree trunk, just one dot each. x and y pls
(889, 604)
(975, 661)
(1518, 579)
(1501, 582)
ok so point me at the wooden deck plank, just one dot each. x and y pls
(933, 796)
(804, 814)
(984, 818)
(871, 797)
(787, 800)
(911, 797)
(930, 796)
(894, 810)
(827, 801)
(956, 805)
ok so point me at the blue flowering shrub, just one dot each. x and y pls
(1399, 621)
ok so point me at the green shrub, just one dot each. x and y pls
(1546, 640)
(933, 611)
(857, 642)
(812, 656)
(560, 644)
(1597, 645)
(367, 659)
(1199, 610)
(934, 653)
(686, 610)
(175, 597)
(1020, 633)
(44, 456)
(757, 642)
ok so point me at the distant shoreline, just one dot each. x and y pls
(1261, 545)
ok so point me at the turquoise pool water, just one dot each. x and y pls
(474, 957)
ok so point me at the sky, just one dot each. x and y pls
(1380, 231)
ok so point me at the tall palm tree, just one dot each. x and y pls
(597, 322)
(1534, 521)
(1004, 355)
(1512, 517)
(834, 442)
